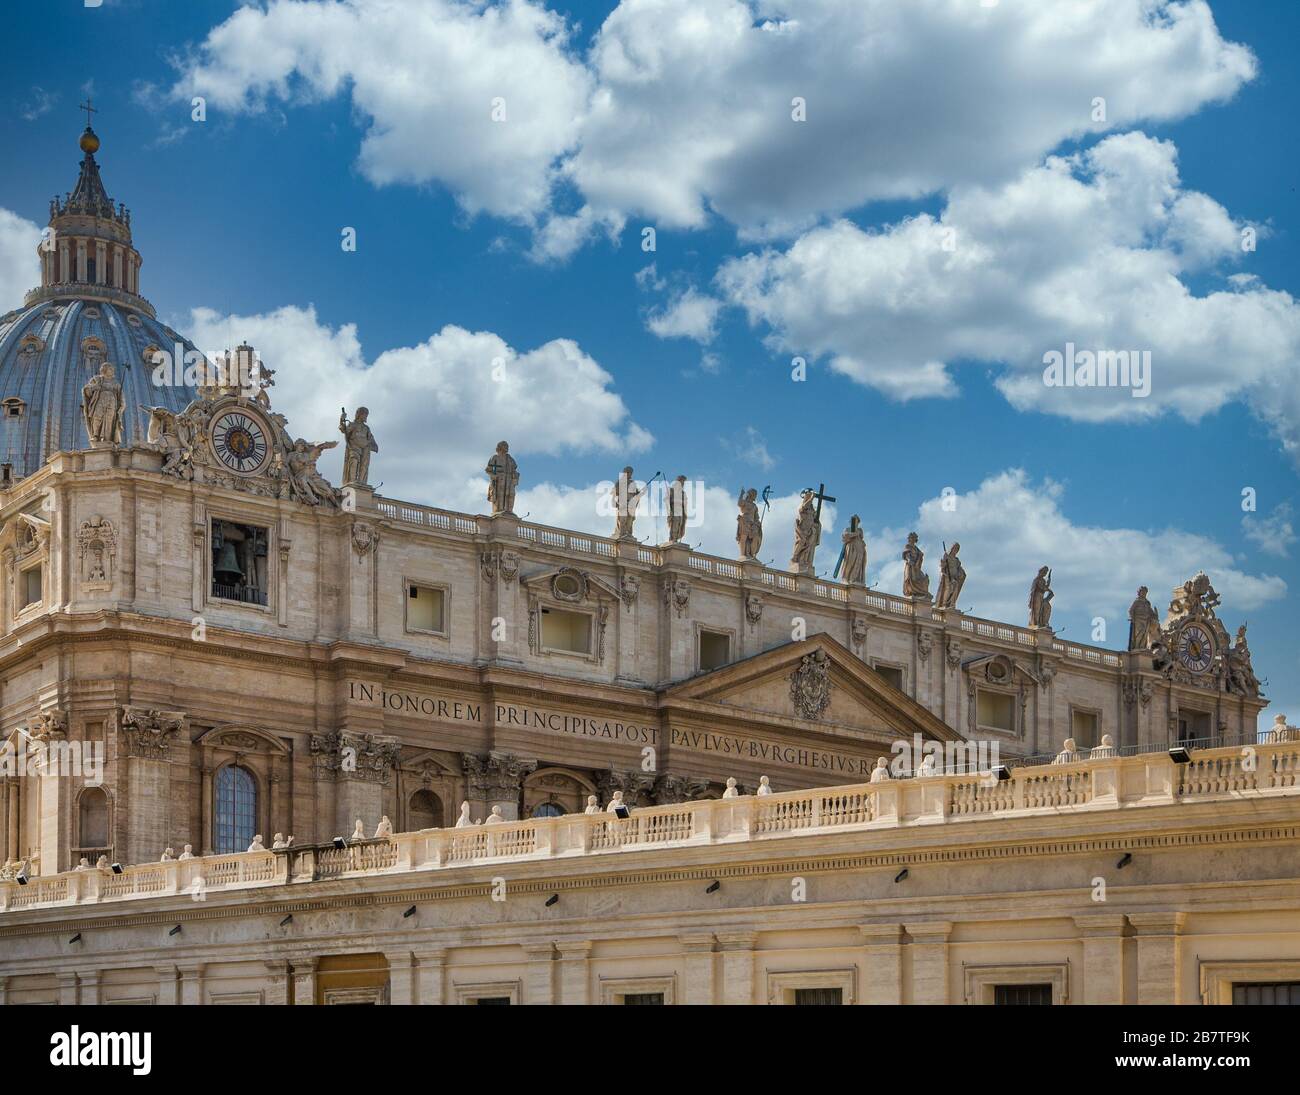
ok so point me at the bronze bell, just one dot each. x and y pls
(227, 569)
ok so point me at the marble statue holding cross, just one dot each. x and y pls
(808, 530)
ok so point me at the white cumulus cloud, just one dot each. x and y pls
(438, 408)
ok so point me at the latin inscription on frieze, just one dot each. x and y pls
(450, 710)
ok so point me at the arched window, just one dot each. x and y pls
(548, 809)
(424, 811)
(234, 809)
(92, 818)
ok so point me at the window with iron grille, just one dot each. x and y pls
(1266, 992)
(239, 562)
(819, 996)
(643, 998)
(1022, 994)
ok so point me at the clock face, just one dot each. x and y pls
(1195, 648)
(240, 442)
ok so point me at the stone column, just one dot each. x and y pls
(627, 625)
(1159, 972)
(360, 766)
(148, 735)
(539, 976)
(677, 629)
(882, 977)
(575, 971)
(362, 576)
(67, 987)
(737, 966)
(430, 968)
(304, 981)
(401, 977)
(496, 780)
(697, 961)
(88, 983)
(503, 624)
(1103, 957)
(277, 975)
(929, 949)
(101, 263)
(191, 990)
(169, 986)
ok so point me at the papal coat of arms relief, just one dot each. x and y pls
(810, 685)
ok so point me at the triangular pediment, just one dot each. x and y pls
(785, 684)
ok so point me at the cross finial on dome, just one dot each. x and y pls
(89, 141)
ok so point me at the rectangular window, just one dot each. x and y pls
(566, 631)
(1022, 994)
(505, 1000)
(425, 609)
(239, 562)
(643, 998)
(30, 587)
(995, 710)
(1193, 725)
(715, 650)
(819, 996)
(1266, 992)
(893, 674)
(1083, 728)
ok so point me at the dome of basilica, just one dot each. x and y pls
(87, 311)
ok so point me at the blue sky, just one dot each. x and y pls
(923, 371)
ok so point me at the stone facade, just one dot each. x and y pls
(1117, 880)
(134, 619)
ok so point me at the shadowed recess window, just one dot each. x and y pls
(31, 587)
(994, 709)
(1022, 994)
(643, 998)
(1193, 725)
(548, 809)
(1267, 992)
(567, 631)
(239, 567)
(818, 996)
(504, 1000)
(1083, 728)
(424, 609)
(424, 811)
(892, 674)
(92, 818)
(235, 805)
(715, 650)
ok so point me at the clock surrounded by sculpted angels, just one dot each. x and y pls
(240, 442)
(1195, 648)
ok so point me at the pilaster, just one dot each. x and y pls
(1103, 957)
(882, 980)
(929, 951)
(1159, 972)
(575, 971)
(737, 949)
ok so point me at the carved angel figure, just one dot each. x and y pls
(172, 436)
(307, 482)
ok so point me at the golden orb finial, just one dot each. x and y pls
(89, 142)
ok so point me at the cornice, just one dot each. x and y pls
(340, 893)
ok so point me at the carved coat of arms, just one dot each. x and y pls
(810, 685)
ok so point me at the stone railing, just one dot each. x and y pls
(733, 570)
(195, 876)
(1145, 780)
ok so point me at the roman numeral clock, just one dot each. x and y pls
(241, 441)
(1194, 648)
